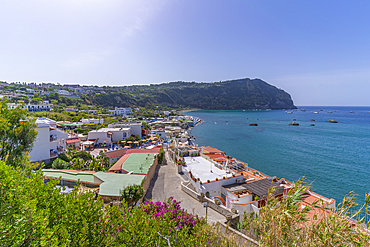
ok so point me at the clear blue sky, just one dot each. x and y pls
(318, 51)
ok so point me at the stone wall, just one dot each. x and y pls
(211, 203)
(150, 174)
(240, 238)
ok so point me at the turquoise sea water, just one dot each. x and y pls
(335, 157)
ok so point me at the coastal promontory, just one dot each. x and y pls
(224, 95)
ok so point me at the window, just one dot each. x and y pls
(223, 197)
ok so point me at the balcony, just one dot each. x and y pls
(53, 138)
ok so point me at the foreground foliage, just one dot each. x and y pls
(17, 134)
(35, 214)
(288, 223)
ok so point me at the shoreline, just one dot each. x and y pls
(189, 110)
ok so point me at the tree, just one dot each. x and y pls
(160, 156)
(133, 193)
(17, 134)
(36, 100)
(60, 164)
(83, 155)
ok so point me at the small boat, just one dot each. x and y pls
(351, 112)
(215, 122)
(332, 121)
(316, 112)
(289, 112)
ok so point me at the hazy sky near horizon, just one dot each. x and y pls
(318, 51)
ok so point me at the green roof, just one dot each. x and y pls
(82, 176)
(114, 182)
(111, 184)
(71, 124)
(139, 162)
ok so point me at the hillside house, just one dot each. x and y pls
(50, 141)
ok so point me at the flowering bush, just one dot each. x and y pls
(171, 211)
(35, 214)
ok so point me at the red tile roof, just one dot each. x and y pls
(115, 153)
(212, 150)
(73, 140)
(118, 165)
(137, 150)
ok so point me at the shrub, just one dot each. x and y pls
(36, 214)
(60, 164)
(289, 223)
(160, 156)
(83, 155)
(64, 157)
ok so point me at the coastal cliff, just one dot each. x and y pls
(225, 95)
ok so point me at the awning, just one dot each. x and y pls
(88, 143)
(74, 140)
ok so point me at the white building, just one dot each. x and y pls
(107, 135)
(93, 120)
(43, 106)
(120, 111)
(13, 105)
(136, 127)
(49, 142)
(64, 92)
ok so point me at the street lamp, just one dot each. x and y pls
(205, 204)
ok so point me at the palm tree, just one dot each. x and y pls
(132, 194)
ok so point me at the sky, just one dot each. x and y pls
(317, 51)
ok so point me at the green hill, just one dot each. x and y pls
(226, 95)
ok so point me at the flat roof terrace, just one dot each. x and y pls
(204, 169)
(139, 162)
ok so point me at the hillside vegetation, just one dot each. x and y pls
(226, 95)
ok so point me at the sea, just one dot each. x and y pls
(333, 157)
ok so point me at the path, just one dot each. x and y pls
(166, 183)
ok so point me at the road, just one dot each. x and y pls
(166, 183)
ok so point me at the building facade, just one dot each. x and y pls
(49, 142)
(120, 111)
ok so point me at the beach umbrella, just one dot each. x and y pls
(129, 142)
(126, 147)
(136, 142)
(105, 141)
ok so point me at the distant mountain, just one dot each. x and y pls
(225, 95)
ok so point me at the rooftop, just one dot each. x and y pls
(211, 150)
(111, 129)
(70, 175)
(45, 121)
(258, 187)
(111, 184)
(137, 150)
(73, 140)
(118, 165)
(203, 169)
(115, 153)
(139, 162)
